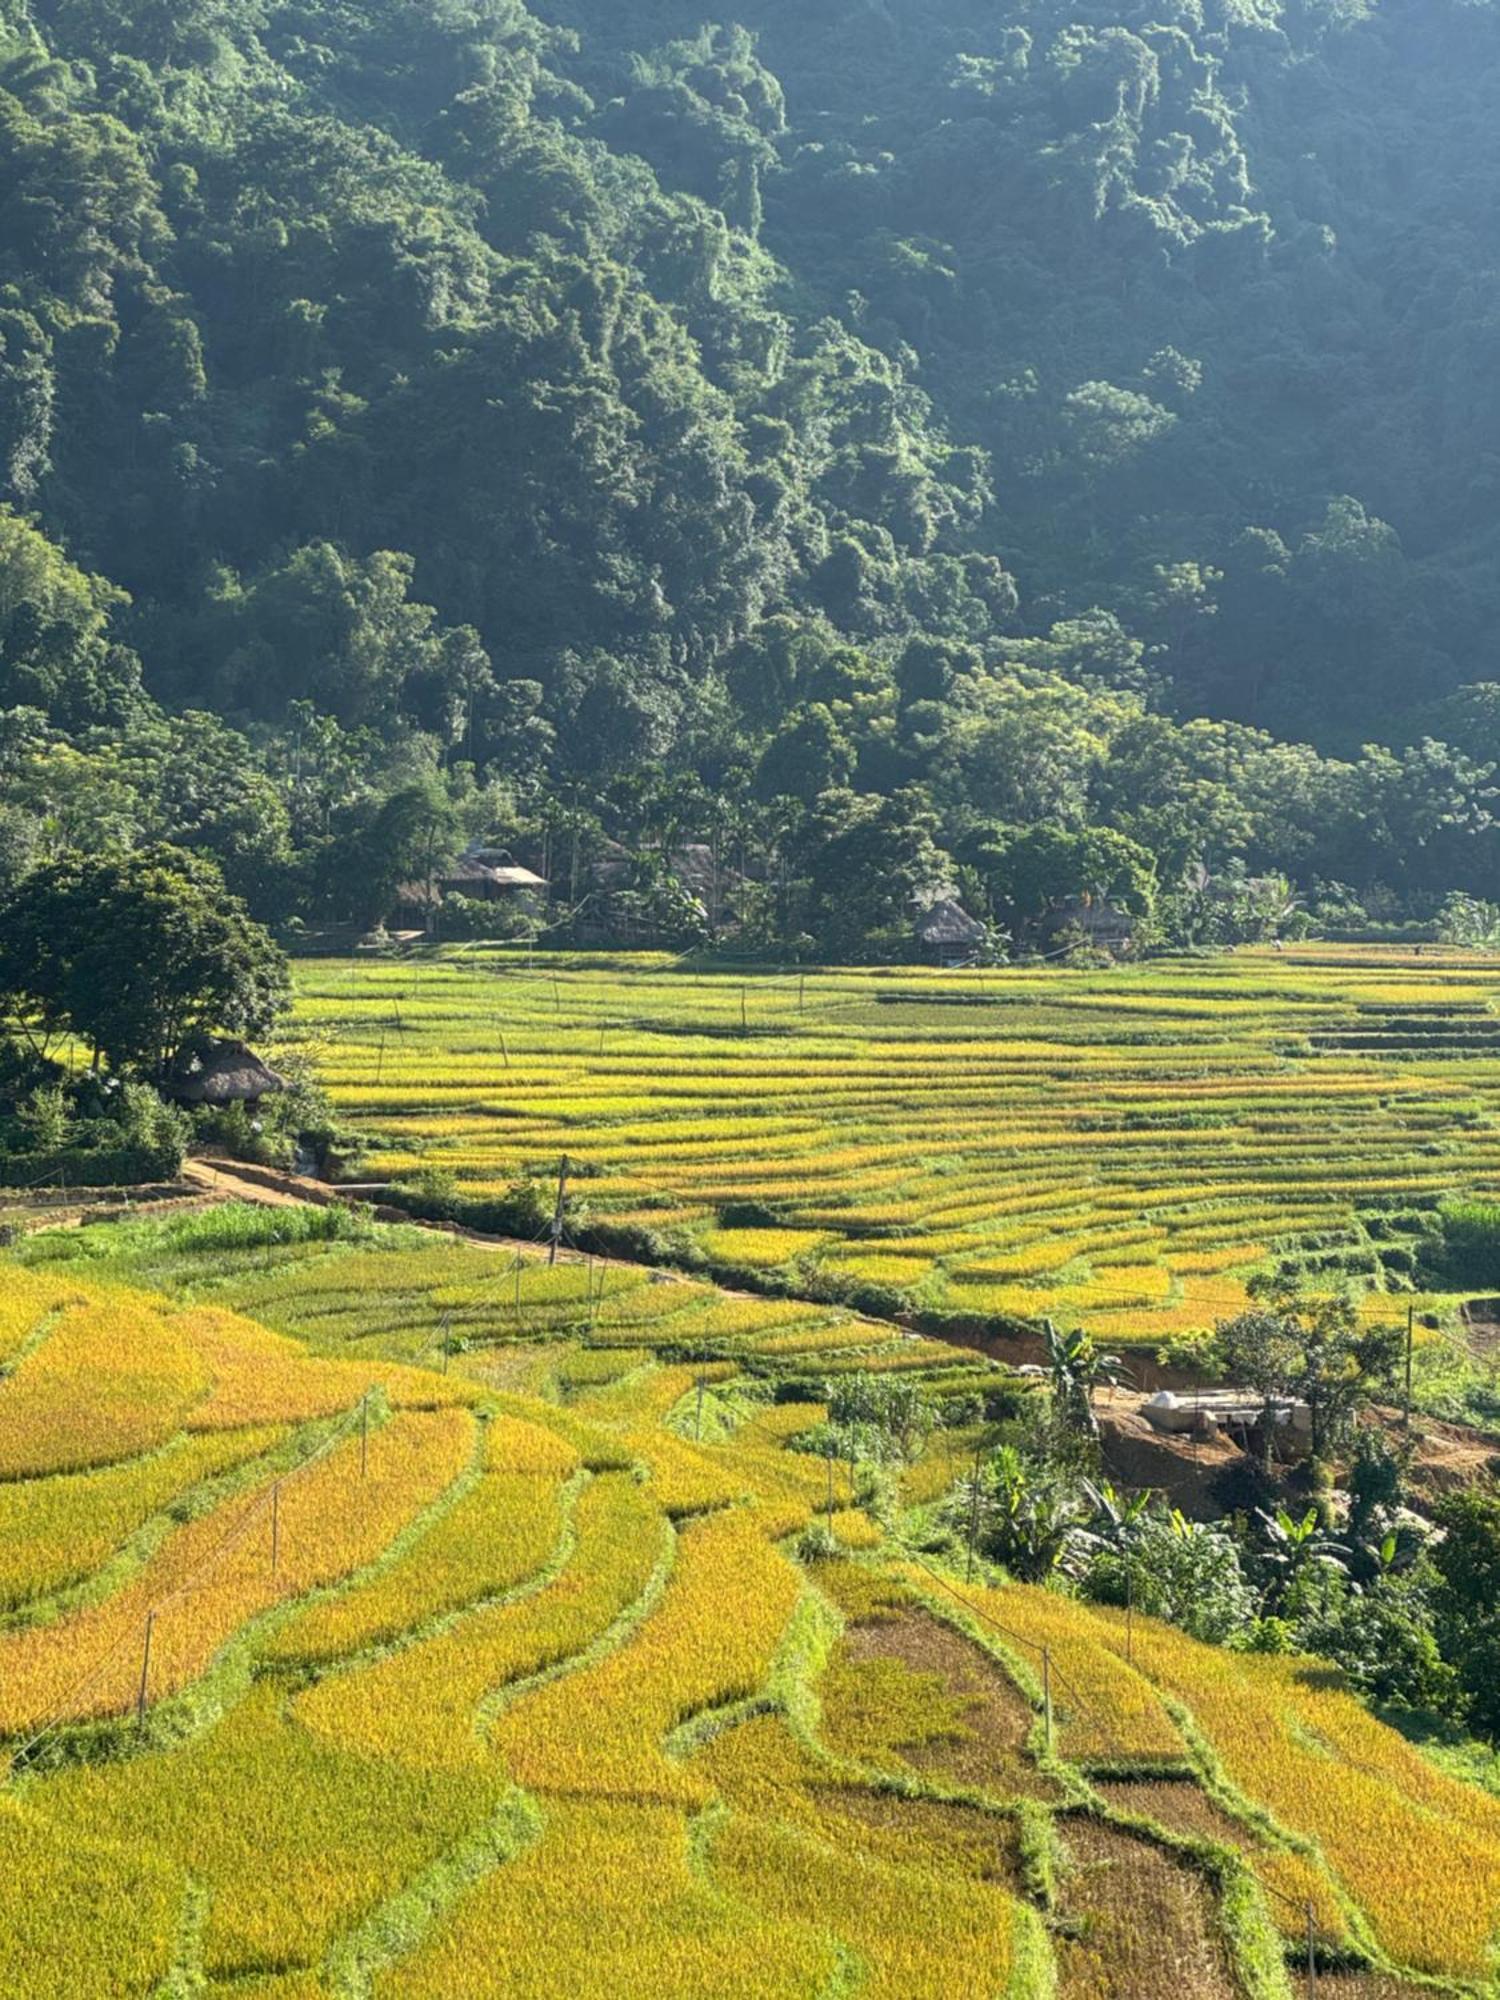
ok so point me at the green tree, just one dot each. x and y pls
(134, 956)
(1313, 1348)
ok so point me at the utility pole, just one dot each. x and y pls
(1047, 1696)
(698, 1427)
(744, 1013)
(1312, 1948)
(140, 1700)
(364, 1435)
(276, 1527)
(1411, 1334)
(973, 1519)
(557, 1213)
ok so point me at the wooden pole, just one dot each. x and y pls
(1312, 1947)
(973, 1521)
(276, 1527)
(830, 1482)
(1047, 1696)
(504, 1050)
(744, 1010)
(140, 1700)
(518, 1288)
(1411, 1334)
(557, 1213)
(1129, 1615)
(698, 1431)
(364, 1435)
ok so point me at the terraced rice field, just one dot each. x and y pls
(1119, 1147)
(487, 1656)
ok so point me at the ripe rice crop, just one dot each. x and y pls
(299, 1842)
(495, 1535)
(54, 1531)
(919, 1936)
(1104, 1708)
(110, 1380)
(1082, 1102)
(422, 1705)
(107, 1922)
(710, 1641)
(1397, 1832)
(260, 1377)
(331, 1522)
(612, 1900)
(29, 1297)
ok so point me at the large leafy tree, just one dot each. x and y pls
(135, 955)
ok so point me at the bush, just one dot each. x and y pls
(1182, 1571)
(229, 1128)
(1465, 1256)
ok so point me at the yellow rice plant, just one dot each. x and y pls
(762, 1249)
(54, 1531)
(80, 1915)
(611, 1900)
(1212, 1263)
(495, 1536)
(853, 1529)
(710, 1641)
(598, 1450)
(292, 1840)
(261, 1377)
(917, 1935)
(883, 1270)
(1103, 1707)
(28, 1298)
(112, 1379)
(215, 1574)
(595, 1368)
(828, 1338)
(685, 1479)
(420, 1706)
(1398, 1833)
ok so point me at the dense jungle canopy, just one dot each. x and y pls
(1035, 412)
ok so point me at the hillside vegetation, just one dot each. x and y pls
(417, 419)
(552, 1663)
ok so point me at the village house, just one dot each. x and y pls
(483, 874)
(947, 935)
(220, 1073)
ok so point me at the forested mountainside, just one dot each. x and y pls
(1039, 412)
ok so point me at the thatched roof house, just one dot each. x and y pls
(1103, 923)
(947, 934)
(225, 1072)
(485, 875)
